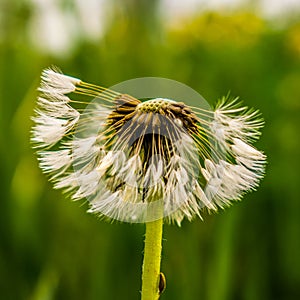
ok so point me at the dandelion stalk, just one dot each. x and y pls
(152, 259)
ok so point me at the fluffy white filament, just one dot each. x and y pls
(54, 116)
(54, 83)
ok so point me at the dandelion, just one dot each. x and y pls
(144, 161)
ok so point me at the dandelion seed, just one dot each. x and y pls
(127, 157)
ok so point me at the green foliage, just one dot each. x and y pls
(51, 249)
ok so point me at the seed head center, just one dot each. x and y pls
(153, 105)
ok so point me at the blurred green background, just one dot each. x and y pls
(50, 248)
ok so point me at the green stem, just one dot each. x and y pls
(152, 258)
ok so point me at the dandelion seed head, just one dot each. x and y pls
(137, 161)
